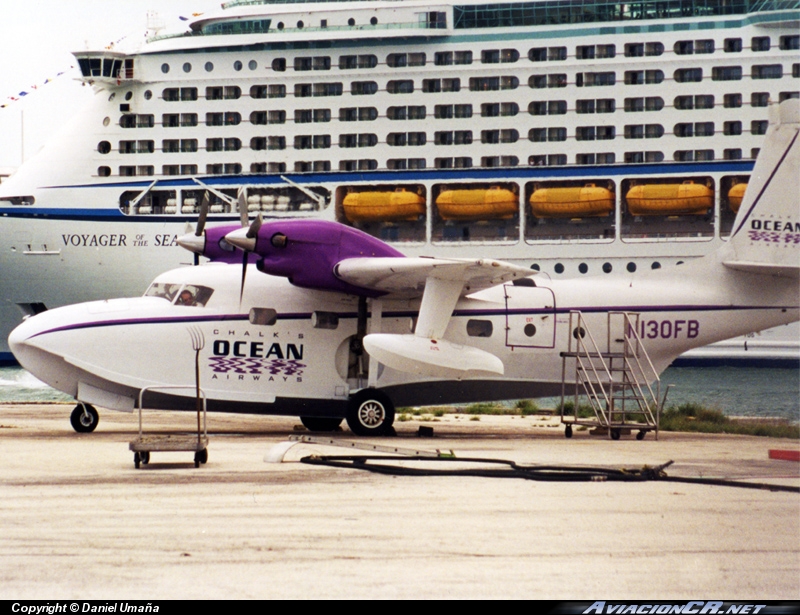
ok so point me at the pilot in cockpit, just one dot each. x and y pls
(185, 298)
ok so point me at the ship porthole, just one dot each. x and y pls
(209, 67)
(165, 68)
(374, 21)
(128, 95)
(148, 95)
(607, 267)
(300, 24)
(583, 267)
(252, 65)
(351, 22)
(559, 268)
(187, 67)
(237, 66)
(106, 121)
(104, 147)
(655, 265)
(280, 25)
(631, 267)
(536, 267)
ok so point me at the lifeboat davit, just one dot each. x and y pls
(400, 205)
(687, 198)
(477, 204)
(572, 202)
(735, 196)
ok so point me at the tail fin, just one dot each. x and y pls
(766, 233)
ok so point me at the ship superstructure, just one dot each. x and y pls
(572, 137)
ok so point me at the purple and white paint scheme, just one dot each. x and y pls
(330, 323)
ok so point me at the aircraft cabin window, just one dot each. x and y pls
(325, 320)
(263, 316)
(187, 295)
(479, 328)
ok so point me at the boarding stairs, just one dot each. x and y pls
(616, 380)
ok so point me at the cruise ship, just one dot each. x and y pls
(575, 137)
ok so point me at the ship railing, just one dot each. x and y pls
(409, 25)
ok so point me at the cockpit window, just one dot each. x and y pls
(186, 294)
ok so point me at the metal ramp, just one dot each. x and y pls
(617, 381)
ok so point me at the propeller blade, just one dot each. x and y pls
(243, 208)
(201, 220)
(252, 232)
(245, 254)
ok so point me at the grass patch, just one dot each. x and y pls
(585, 411)
(698, 418)
(527, 407)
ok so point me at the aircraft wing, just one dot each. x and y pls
(441, 282)
(408, 276)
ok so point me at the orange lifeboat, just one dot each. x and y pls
(394, 206)
(670, 199)
(477, 204)
(735, 196)
(572, 202)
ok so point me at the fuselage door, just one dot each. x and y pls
(530, 316)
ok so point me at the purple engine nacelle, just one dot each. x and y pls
(306, 252)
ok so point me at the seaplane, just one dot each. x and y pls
(318, 320)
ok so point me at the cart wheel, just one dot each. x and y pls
(641, 435)
(204, 456)
(145, 457)
(568, 431)
(615, 434)
(136, 459)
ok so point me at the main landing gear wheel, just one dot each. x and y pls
(84, 418)
(315, 423)
(370, 413)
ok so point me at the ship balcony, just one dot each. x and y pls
(105, 66)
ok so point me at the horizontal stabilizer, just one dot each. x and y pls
(434, 358)
(408, 275)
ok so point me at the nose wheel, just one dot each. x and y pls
(84, 418)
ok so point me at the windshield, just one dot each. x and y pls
(181, 294)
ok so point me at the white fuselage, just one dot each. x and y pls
(303, 361)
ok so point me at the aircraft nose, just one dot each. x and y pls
(27, 353)
(193, 243)
(240, 239)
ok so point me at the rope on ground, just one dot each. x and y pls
(503, 468)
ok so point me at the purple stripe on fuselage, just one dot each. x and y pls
(412, 313)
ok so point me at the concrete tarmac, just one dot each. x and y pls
(80, 522)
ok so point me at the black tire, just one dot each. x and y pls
(641, 435)
(370, 413)
(84, 421)
(201, 457)
(568, 431)
(315, 423)
(136, 460)
(145, 457)
(615, 434)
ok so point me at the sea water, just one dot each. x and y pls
(737, 391)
